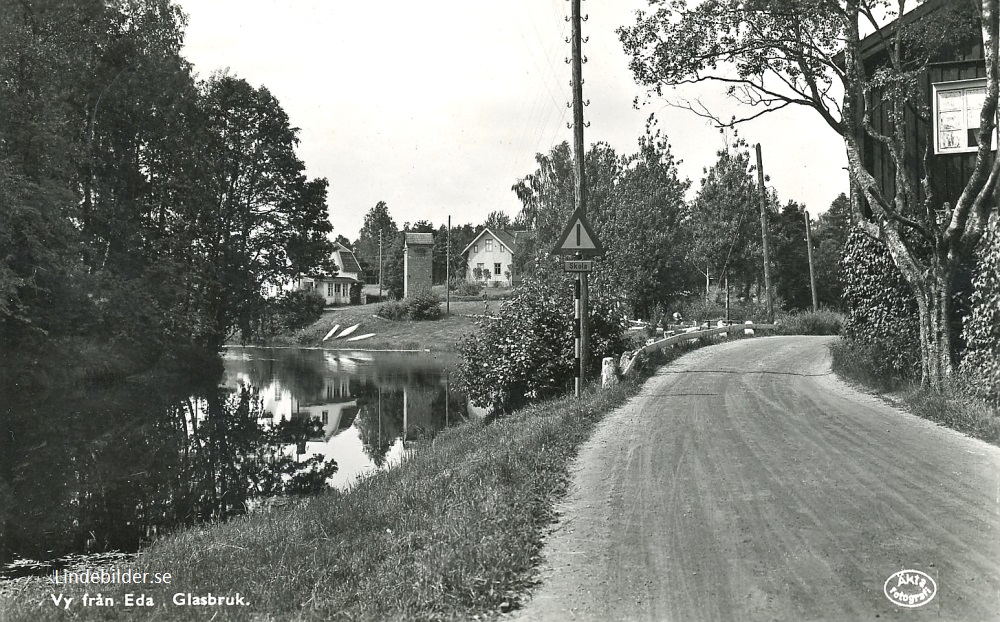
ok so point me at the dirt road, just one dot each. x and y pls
(746, 482)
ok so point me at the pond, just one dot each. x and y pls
(87, 471)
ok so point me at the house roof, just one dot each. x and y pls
(349, 263)
(419, 238)
(510, 239)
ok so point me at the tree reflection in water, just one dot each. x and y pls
(90, 471)
(106, 470)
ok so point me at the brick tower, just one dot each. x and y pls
(417, 262)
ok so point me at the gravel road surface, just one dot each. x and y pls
(746, 482)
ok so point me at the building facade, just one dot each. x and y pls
(490, 257)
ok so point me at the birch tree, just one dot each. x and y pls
(771, 54)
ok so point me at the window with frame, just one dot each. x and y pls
(957, 106)
(496, 269)
(337, 288)
(475, 248)
(329, 289)
(489, 246)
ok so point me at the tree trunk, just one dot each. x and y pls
(934, 296)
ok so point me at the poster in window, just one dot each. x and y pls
(950, 100)
(974, 100)
(950, 121)
(950, 140)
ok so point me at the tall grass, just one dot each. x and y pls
(958, 407)
(822, 322)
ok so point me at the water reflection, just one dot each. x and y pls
(370, 405)
(89, 471)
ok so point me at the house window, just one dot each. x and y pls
(957, 106)
(329, 289)
(475, 248)
(496, 269)
(336, 288)
(326, 417)
(489, 246)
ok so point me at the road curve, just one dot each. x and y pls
(746, 482)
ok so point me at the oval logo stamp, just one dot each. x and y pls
(910, 588)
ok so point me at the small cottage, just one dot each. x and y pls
(490, 256)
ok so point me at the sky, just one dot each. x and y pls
(438, 108)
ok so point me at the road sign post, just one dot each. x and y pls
(579, 241)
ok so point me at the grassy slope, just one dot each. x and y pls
(435, 335)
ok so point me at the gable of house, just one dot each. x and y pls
(347, 263)
(493, 252)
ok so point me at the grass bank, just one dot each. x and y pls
(441, 335)
(957, 408)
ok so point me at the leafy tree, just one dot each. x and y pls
(421, 226)
(268, 222)
(546, 196)
(392, 269)
(498, 221)
(638, 214)
(829, 236)
(789, 255)
(378, 225)
(774, 54)
(460, 238)
(724, 239)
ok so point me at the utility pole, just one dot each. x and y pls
(763, 235)
(580, 188)
(380, 265)
(447, 272)
(812, 272)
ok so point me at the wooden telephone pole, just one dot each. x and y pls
(447, 271)
(763, 235)
(580, 188)
(812, 272)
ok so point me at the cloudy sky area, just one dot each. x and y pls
(439, 107)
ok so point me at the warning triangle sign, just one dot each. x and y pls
(578, 237)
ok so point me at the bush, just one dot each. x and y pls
(982, 327)
(881, 324)
(466, 288)
(823, 322)
(394, 310)
(526, 352)
(423, 305)
(297, 309)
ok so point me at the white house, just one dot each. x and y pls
(336, 290)
(492, 252)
